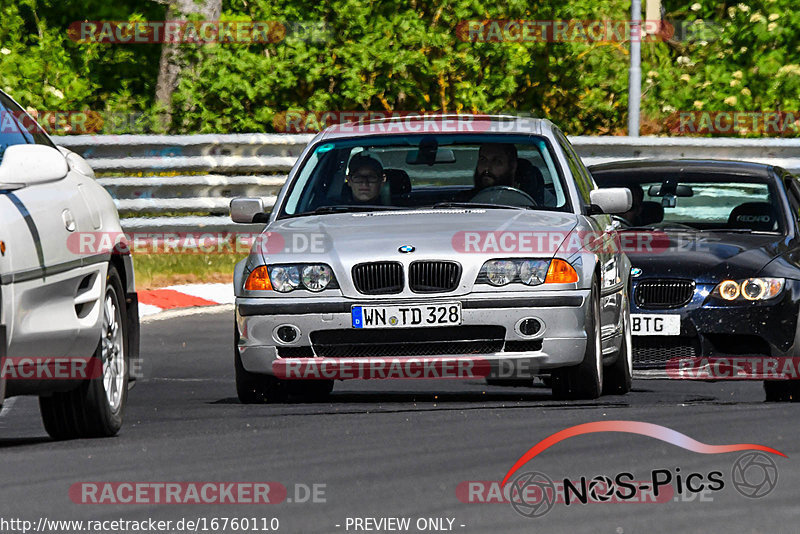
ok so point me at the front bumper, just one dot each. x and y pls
(711, 328)
(488, 332)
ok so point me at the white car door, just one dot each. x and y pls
(51, 289)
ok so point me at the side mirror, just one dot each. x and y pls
(612, 200)
(248, 210)
(24, 165)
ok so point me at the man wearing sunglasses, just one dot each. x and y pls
(365, 179)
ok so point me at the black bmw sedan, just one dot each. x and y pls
(716, 269)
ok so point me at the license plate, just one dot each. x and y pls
(445, 314)
(655, 324)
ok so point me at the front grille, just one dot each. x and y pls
(653, 352)
(295, 352)
(378, 278)
(382, 342)
(663, 294)
(434, 276)
(529, 345)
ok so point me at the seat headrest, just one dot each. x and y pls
(399, 181)
(652, 213)
(530, 179)
(759, 216)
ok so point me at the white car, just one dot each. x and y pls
(69, 327)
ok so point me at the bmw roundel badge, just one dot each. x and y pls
(406, 249)
(635, 271)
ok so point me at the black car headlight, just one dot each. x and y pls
(749, 289)
(285, 278)
(530, 272)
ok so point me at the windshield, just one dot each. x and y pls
(703, 202)
(423, 171)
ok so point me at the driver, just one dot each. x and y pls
(497, 165)
(365, 179)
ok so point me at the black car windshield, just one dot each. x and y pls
(701, 202)
(426, 171)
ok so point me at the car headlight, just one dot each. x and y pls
(533, 272)
(500, 272)
(285, 278)
(749, 289)
(530, 272)
(316, 277)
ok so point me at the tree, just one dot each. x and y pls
(173, 59)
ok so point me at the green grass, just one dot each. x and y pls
(158, 270)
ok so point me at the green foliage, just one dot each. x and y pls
(44, 69)
(408, 56)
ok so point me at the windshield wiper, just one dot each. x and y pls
(344, 209)
(473, 205)
(739, 231)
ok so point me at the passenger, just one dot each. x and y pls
(365, 179)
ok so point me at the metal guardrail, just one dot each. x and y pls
(181, 183)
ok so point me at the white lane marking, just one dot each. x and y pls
(148, 309)
(7, 405)
(219, 293)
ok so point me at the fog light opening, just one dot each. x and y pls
(529, 327)
(287, 334)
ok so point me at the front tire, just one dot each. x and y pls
(96, 407)
(585, 380)
(782, 390)
(254, 388)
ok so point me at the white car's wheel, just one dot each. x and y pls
(96, 407)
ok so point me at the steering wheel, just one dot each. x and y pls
(504, 194)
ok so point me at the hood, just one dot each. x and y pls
(352, 238)
(707, 257)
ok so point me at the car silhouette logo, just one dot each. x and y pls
(636, 272)
(406, 249)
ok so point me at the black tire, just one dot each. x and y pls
(89, 411)
(255, 388)
(510, 382)
(782, 390)
(585, 380)
(617, 377)
(316, 390)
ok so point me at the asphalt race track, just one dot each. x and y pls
(397, 449)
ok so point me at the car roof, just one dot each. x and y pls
(450, 123)
(684, 166)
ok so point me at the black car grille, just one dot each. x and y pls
(434, 276)
(379, 278)
(653, 352)
(382, 342)
(663, 294)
